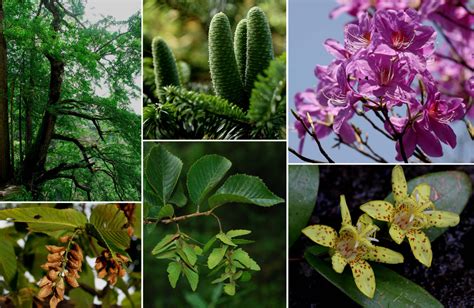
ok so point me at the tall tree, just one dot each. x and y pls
(82, 140)
(5, 164)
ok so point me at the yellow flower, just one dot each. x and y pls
(354, 246)
(410, 214)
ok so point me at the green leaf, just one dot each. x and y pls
(209, 244)
(45, 219)
(164, 244)
(190, 253)
(216, 256)
(450, 191)
(246, 276)
(178, 197)
(174, 271)
(229, 288)
(205, 174)
(108, 225)
(162, 170)
(243, 188)
(7, 260)
(237, 233)
(303, 191)
(243, 257)
(192, 277)
(393, 290)
(165, 211)
(224, 239)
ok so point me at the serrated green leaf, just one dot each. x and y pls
(216, 256)
(192, 277)
(164, 243)
(237, 233)
(166, 211)
(393, 290)
(7, 260)
(243, 257)
(205, 174)
(246, 276)
(174, 271)
(209, 244)
(178, 197)
(110, 222)
(303, 191)
(45, 219)
(224, 239)
(241, 241)
(243, 188)
(162, 170)
(450, 191)
(190, 254)
(229, 289)
(223, 277)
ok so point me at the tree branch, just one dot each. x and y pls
(313, 134)
(81, 147)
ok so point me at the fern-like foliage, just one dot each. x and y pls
(191, 115)
(267, 110)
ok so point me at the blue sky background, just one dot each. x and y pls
(309, 26)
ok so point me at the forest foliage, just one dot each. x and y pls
(72, 133)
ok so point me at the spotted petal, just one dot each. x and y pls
(420, 246)
(421, 194)
(396, 233)
(364, 277)
(380, 210)
(441, 219)
(346, 216)
(383, 255)
(323, 235)
(399, 184)
(338, 262)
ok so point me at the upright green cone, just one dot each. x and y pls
(259, 46)
(164, 63)
(222, 62)
(240, 47)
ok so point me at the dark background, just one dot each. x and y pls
(450, 278)
(267, 287)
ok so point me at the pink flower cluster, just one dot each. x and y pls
(388, 65)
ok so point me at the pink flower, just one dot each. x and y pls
(358, 35)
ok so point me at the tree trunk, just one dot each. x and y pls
(34, 163)
(20, 120)
(5, 166)
(11, 102)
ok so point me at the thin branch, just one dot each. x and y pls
(398, 136)
(313, 134)
(304, 158)
(352, 146)
(363, 115)
(453, 60)
(78, 144)
(453, 48)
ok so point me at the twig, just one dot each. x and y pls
(362, 114)
(312, 134)
(352, 146)
(398, 136)
(448, 40)
(303, 158)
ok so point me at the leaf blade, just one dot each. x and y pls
(205, 174)
(243, 188)
(303, 191)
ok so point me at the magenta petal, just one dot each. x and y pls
(444, 132)
(428, 142)
(347, 133)
(336, 49)
(409, 144)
